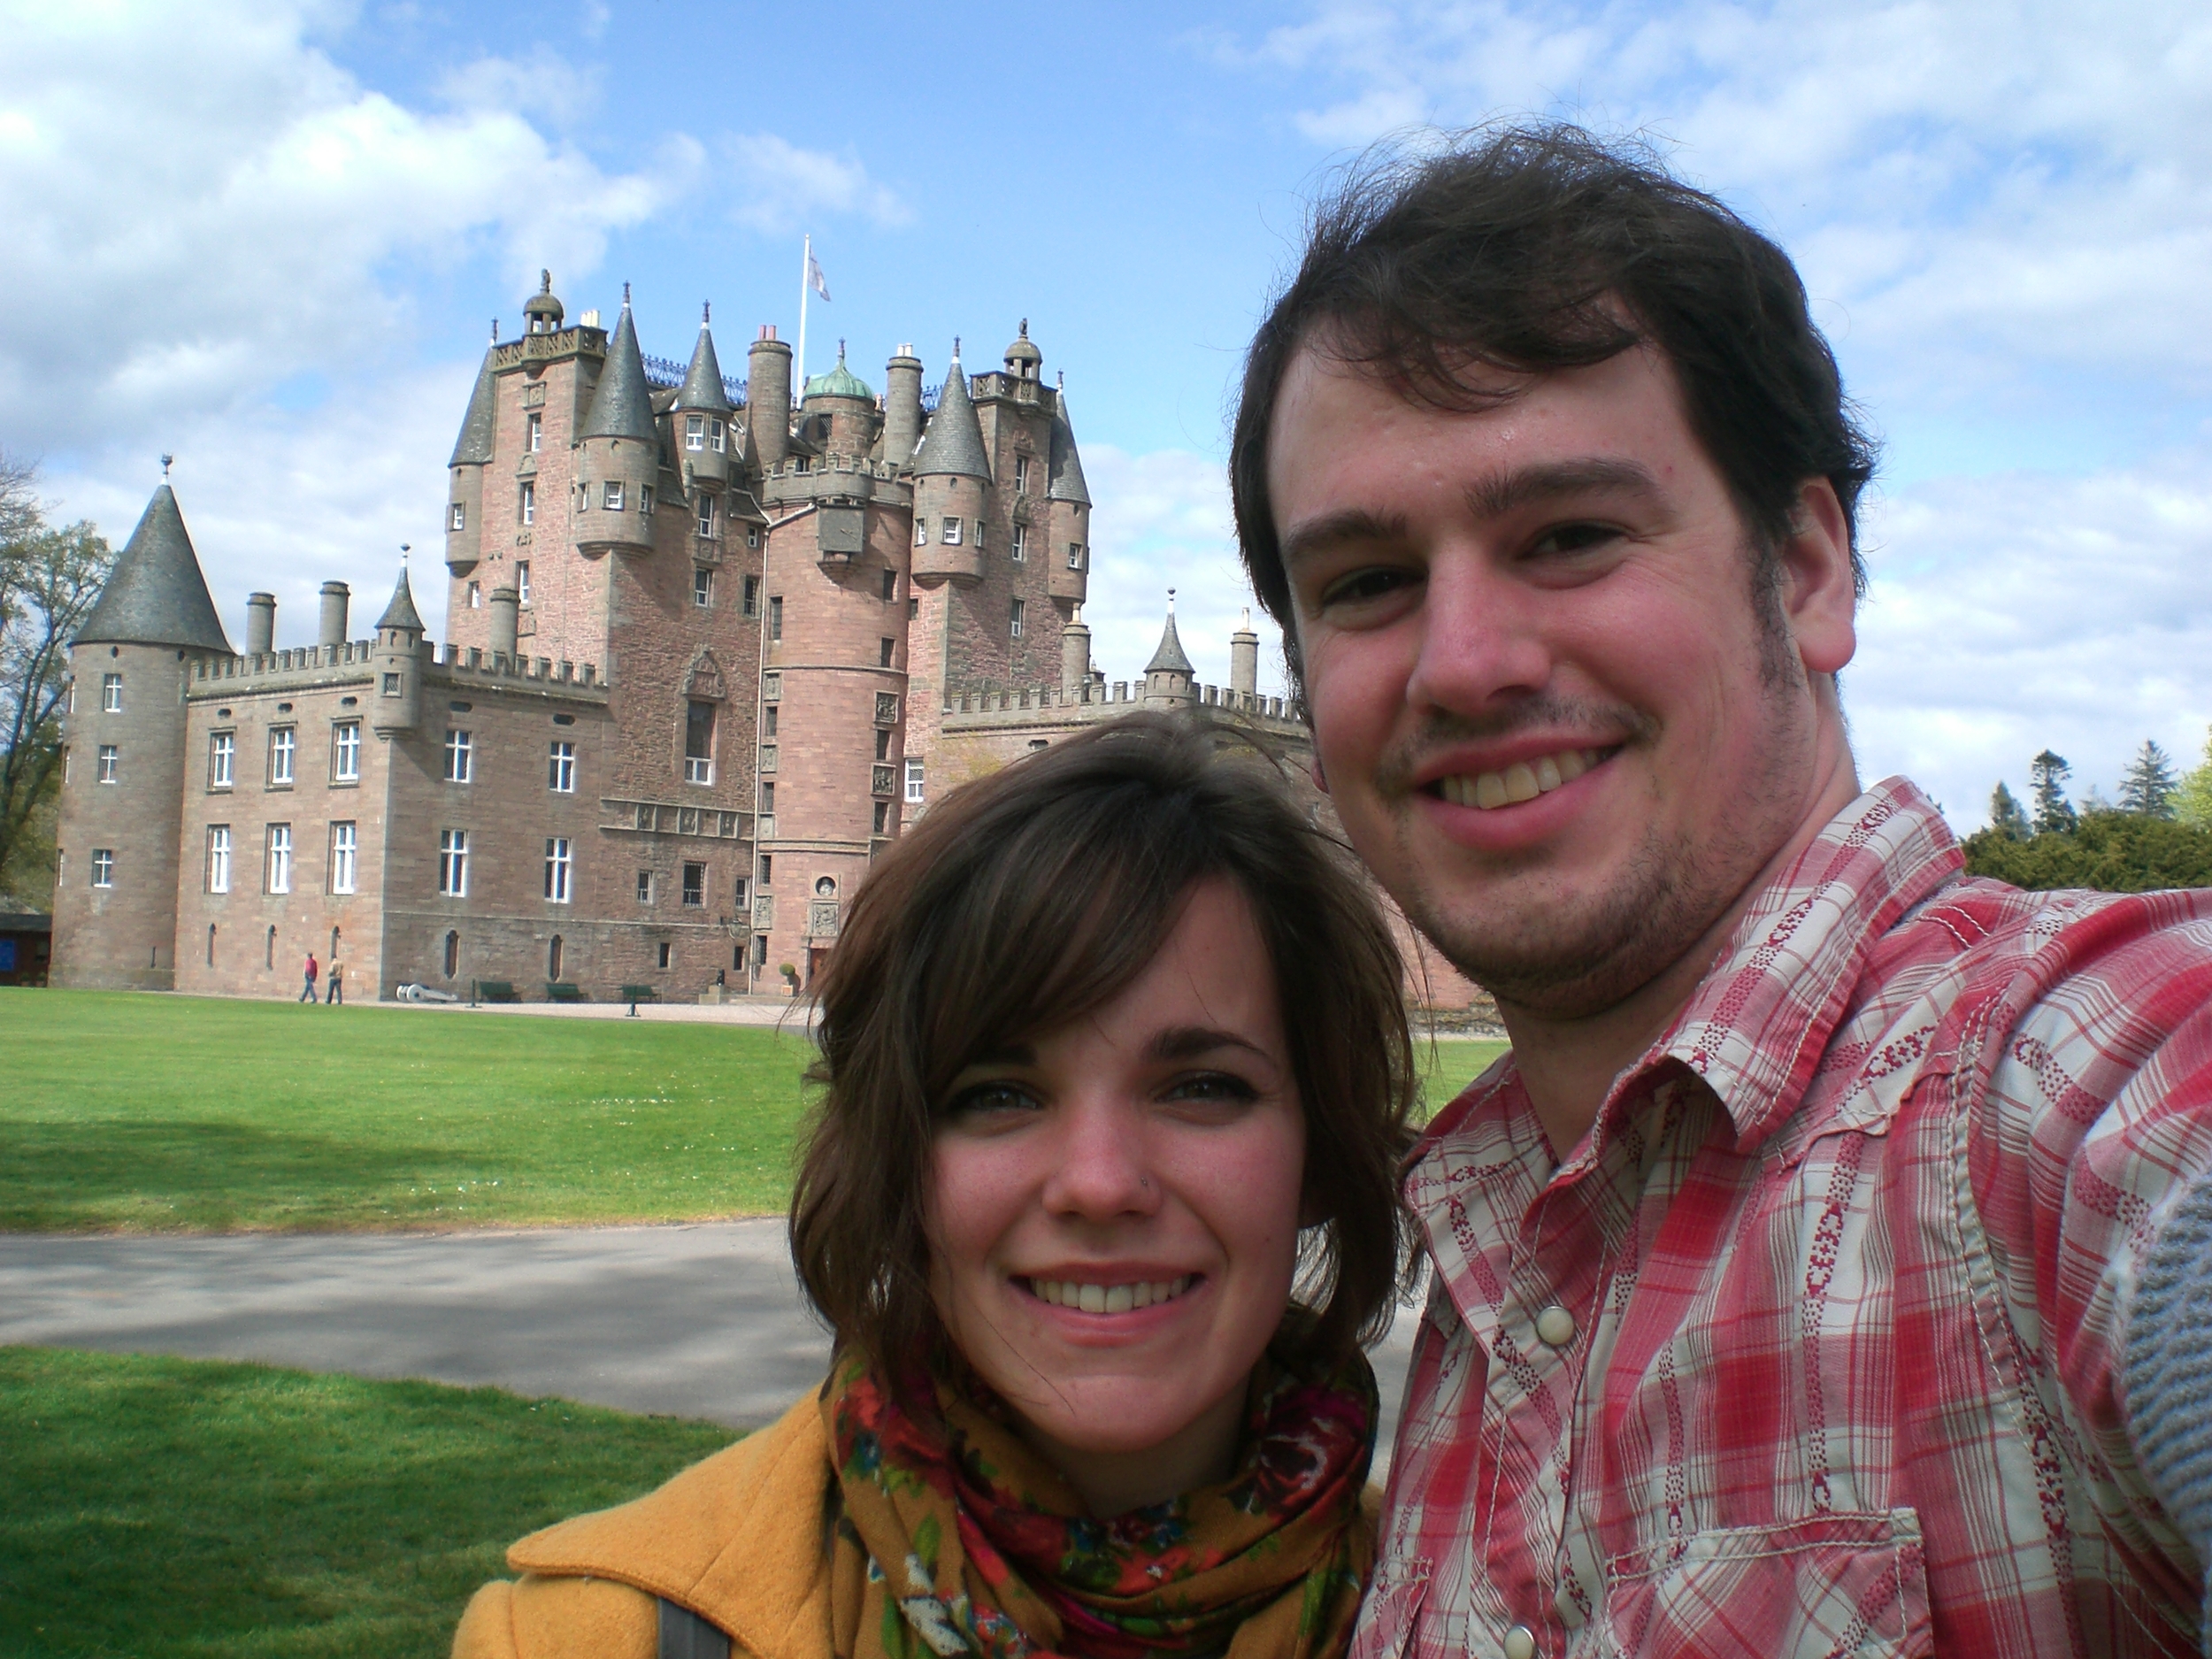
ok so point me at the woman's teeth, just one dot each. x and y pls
(1523, 780)
(1107, 1298)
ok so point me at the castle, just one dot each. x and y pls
(706, 651)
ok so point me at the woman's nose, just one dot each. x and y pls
(1103, 1169)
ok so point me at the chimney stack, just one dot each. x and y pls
(336, 595)
(506, 614)
(260, 624)
(768, 399)
(902, 406)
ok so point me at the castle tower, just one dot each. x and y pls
(844, 401)
(398, 664)
(1244, 660)
(1075, 655)
(1067, 512)
(902, 406)
(703, 419)
(122, 797)
(952, 483)
(618, 458)
(471, 454)
(768, 400)
(1167, 676)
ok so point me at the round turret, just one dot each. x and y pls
(471, 454)
(397, 664)
(902, 406)
(848, 402)
(1067, 512)
(705, 439)
(768, 399)
(952, 482)
(542, 313)
(618, 453)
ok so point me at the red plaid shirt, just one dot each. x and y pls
(1811, 1346)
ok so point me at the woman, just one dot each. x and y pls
(1100, 1200)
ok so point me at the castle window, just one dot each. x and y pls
(741, 893)
(883, 817)
(345, 752)
(104, 866)
(553, 955)
(667, 951)
(476, 596)
(950, 533)
(699, 743)
(645, 887)
(890, 585)
(283, 745)
(694, 887)
(391, 684)
(534, 433)
(560, 769)
(453, 865)
(694, 432)
(345, 846)
(107, 763)
(887, 708)
(1015, 615)
(752, 536)
(610, 496)
(914, 780)
(752, 595)
(706, 514)
(210, 944)
(522, 581)
(645, 499)
(775, 616)
(913, 609)
(111, 694)
(1075, 556)
(921, 531)
(278, 866)
(558, 860)
(767, 802)
(452, 955)
(884, 649)
(716, 434)
(583, 496)
(219, 858)
(768, 716)
(1021, 476)
(883, 744)
(526, 502)
(702, 584)
(981, 526)
(767, 869)
(459, 517)
(1021, 543)
(458, 754)
(771, 687)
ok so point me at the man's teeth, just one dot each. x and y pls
(1523, 780)
(1107, 1298)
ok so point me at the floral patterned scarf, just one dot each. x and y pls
(954, 1538)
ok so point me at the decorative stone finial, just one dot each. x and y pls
(706, 312)
(955, 347)
(165, 459)
(626, 297)
(494, 331)
(1024, 331)
(405, 548)
(545, 281)
(1171, 601)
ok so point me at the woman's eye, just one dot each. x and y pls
(986, 1100)
(1213, 1085)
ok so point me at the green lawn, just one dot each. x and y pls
(147, 1111)
(179, 1507)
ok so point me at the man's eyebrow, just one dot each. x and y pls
(1347, 524)
(1187, 1042)
(1502, 493)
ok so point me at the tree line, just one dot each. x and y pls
(50, 575)
(2157, 835)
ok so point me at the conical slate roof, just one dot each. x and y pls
(702, 381)
(623, 405)
(1064, 471)
(1169, 659)
(953, 440)
(156, 595)
(401, 612)
(473, 447)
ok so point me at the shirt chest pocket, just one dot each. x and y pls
(1833, 1587)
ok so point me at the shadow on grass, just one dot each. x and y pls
(183, 1173)
(180, 1507)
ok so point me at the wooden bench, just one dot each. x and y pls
(562, 991)
(635, 994)
(497, 991)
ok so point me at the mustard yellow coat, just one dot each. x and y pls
(737, 1538)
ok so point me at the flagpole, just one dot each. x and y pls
(806, 269)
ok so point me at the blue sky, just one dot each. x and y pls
(272, 237)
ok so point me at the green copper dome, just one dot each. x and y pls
(839, 382)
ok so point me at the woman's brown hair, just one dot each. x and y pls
(1027, 899)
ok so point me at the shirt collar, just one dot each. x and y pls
(1755, 1026)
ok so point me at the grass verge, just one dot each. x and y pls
(180, 1506)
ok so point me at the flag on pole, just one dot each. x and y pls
(814, 278)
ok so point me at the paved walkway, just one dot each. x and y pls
(699, 1321)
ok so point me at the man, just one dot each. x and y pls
(336, 995)
(307, 990)
(1786, 1272)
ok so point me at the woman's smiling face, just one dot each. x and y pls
(1114, 1213)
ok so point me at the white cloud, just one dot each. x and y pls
(778, 184)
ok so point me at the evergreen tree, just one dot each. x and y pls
(2149, 786)
(2006, 815)
(2047, 777)
(2193, 801)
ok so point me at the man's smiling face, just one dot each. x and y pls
(1556, 718)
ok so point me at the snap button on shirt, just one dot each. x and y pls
(1520, 1643)
(1555, 1327)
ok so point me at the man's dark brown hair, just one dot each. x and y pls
(1532, 249)
(1032, 898)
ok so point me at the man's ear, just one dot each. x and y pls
(1819, 592)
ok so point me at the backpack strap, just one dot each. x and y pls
(685, 1635)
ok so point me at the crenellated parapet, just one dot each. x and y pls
(314, 667)
(984, 708)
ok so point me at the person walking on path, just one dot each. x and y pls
(1828, 1267)
(307, 990)
(336, 995)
